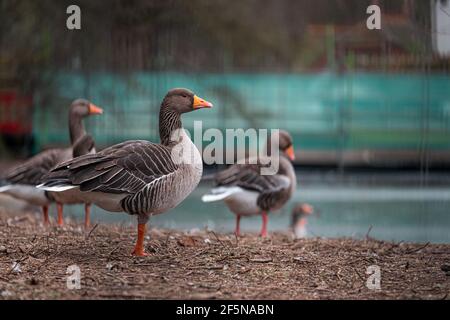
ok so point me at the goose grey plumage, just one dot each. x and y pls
(299, 219)
(139, 177)
(21, 181)
(247, 192)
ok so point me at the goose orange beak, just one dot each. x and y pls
(308, 209)
(93, 109)
(290, 153)
(201, 103)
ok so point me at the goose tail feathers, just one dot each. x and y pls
(220, 193)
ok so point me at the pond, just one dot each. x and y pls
(395, 207)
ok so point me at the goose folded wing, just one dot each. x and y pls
(272, 196)
(32, 171)
(124, 168)
(248, 176)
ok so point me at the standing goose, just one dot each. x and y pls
(246, 192)
(139, 177)
(82, 146)
(21, 181)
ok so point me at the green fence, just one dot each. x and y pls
(324, 111)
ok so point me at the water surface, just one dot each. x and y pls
(348, 207)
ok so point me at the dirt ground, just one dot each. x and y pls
(34, 262)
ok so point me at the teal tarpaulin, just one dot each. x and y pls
(324, 111)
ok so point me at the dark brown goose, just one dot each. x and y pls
(139, 177)
(246, 192)
(21, 181)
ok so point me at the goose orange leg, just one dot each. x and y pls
(87, 215)
(45, 214)
(139, 250)
(237, 231)
(265, 218)
(59, 206)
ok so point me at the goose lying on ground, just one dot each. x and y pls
(139, 177)
(20, 182)
(246, 192)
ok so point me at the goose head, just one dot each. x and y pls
(301, 210)
(283, 141)
(286, 145)
(81, 108)
(183, 100)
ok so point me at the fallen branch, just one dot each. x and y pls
(92, 230)
(367, 233)
(220, 241)
(262, 260)
(417, 249)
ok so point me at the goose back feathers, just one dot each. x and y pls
(273, 190)
(247, 192)
(141, 173)
(33, 170)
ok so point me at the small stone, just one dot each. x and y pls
(445, 267)
(3, 249)
(6, 293)
(16, 267)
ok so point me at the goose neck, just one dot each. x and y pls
(169, 123)
(76, 128)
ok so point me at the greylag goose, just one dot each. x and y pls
(139, 177)
(83, 146)
(300, 213)
(82, 143)
(246, 192)
(21, 181)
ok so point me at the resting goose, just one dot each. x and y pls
(300, 213)
(21, 181)
(246, 192)
(139, 177)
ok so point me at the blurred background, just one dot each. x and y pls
(369, 110)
